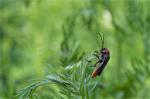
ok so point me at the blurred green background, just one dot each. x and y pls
(38, 34)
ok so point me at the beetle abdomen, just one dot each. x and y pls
(97, 71)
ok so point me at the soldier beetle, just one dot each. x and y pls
(103, 57)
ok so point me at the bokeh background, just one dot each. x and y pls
(38, 34)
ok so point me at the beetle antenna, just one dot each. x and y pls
(102, 39)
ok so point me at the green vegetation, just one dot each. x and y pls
(46, 46)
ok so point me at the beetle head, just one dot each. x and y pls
(104, 51)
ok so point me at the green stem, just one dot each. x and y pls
(82, 92)
(86, 92)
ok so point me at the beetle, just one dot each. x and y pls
(103, 57)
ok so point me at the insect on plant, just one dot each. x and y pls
(103, 57)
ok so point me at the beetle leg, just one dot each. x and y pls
(96, 63)
(96, 54)
(100, 60)
(88, 61)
